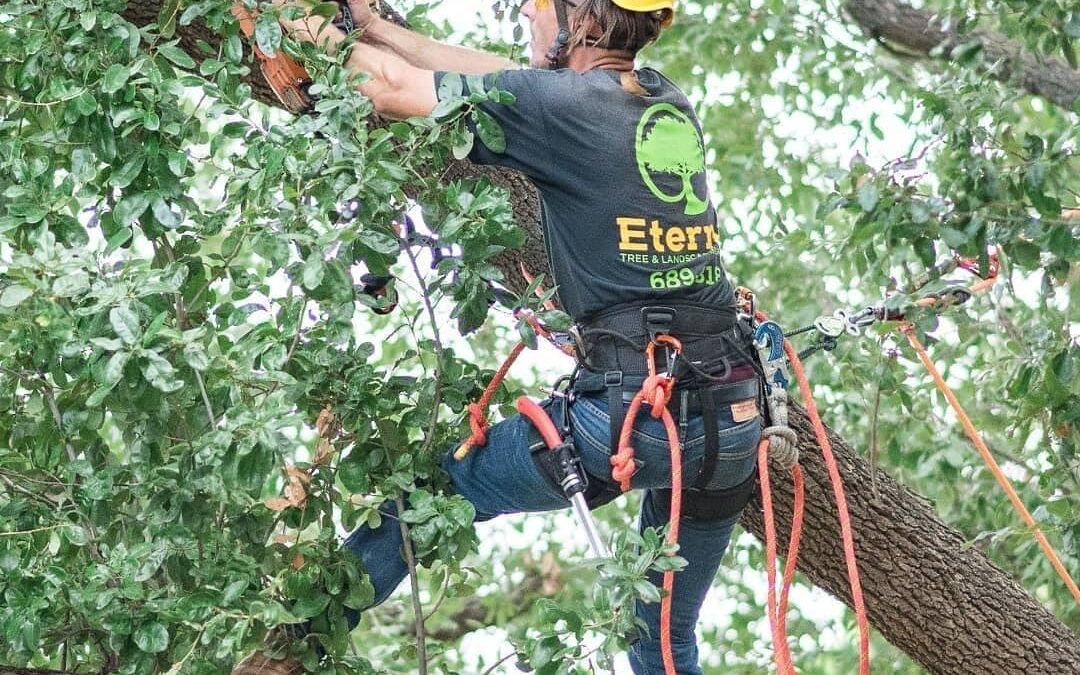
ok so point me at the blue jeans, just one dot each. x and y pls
(501, 477)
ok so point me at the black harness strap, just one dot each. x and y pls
(712, 439)
(613, 381)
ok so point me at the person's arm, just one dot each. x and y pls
(420, 50)
(396, 88)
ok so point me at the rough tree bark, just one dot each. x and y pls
(949, 609)
(1007, 60)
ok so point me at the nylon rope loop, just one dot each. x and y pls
(622, 462)
(777, 612)
(666, 651)
(995, 469)
(841, 507)
(477, 416)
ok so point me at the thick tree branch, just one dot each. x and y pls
(896, 23)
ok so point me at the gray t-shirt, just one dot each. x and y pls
(623, 192)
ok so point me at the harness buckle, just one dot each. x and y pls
(613, 378)
(658, 320)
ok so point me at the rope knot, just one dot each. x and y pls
(782, 445)
(658, 390)
(622, 466)
(478, 424)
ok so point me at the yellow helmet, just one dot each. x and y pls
(649, 6)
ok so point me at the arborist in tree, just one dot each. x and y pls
(617, 155)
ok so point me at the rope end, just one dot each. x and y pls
(463, 451)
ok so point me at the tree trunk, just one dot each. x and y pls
(949, 609)
(1006, 60)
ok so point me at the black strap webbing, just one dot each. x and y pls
(712, 439)
(616, 408)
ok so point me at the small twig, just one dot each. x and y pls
(498, 663)
(414, 584)
(296, 338)
(439, 602)
(46, 390)
(206, 399)
(439, 368)
(874, 413)
(33, 531)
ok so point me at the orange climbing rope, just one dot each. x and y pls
(973, 434)
(656, 391)
(908, 329)
(841, 507)
(478, 411)
(778, 614)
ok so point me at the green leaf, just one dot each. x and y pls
(196, 357)
(451, 86)
(313, 271)
(129, 208)
(14, 295)
(353, 474)
(447, 107)
(177, 56)
(126, 323)
(380, 242)
(76, 535)
(114, 369)
(464, 146)
(152, 638)
(115, 78)
(869, 194)
(233, 592)
(267, 33)
(164, 214)
(311, 605)
(71, 285)
(489, 131)
(123, 176)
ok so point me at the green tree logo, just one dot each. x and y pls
(672, 145)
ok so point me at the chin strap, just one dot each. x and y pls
(555, 54)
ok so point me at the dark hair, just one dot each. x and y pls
(602, 23)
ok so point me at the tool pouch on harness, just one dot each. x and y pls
(717, 366)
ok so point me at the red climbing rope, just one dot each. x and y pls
(656, 391)
(478, 411)
(778, 614)
(973, 434)
(778, 611)
(841, 507)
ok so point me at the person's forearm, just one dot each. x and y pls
(423, 52)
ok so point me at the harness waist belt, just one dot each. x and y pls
(728, 392)
(615, 339)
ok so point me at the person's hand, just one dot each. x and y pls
(309, 27)
(363, 16)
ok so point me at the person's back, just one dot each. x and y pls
(622, 181)
(617, 157)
